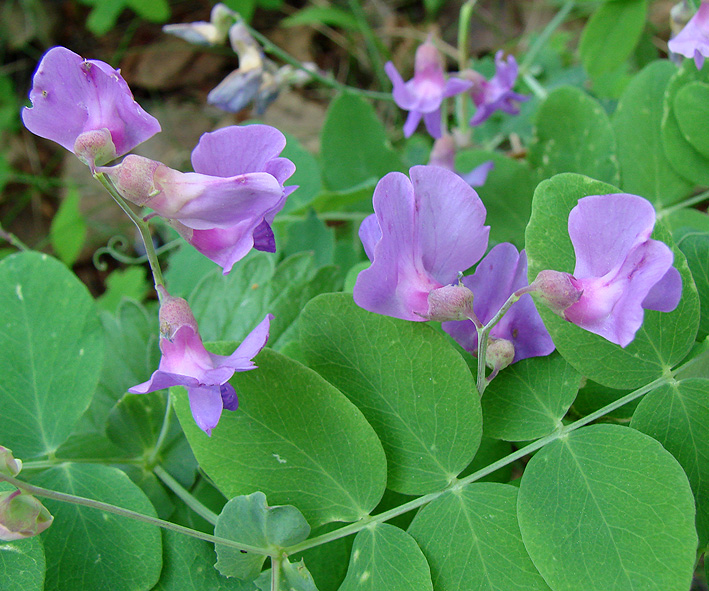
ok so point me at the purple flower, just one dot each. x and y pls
(424, 232)
(185, 362)
(227, 206)
(422, 96)
(86, 107)
(620, 271)
(502, 272)
(693, 40)
(496, 93)
(443, 154)
(204, 33)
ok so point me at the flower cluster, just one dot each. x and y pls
(224, 208)
(423, 95)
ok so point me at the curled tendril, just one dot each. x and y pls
(116, 247)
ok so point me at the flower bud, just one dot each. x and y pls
(450, 302)
(134, 178)
(8, 464)
(174, 314)
(500, 353)
(95, 147)
(557, 290)
(22, 516)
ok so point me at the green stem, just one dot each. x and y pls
(44, 464)
(84, 502)
(163, 433)
(14, 240)
(273, 49)
(686, 203)
(275, 573)
(513, 457)
(548, 31)
(538, 90)
(371, 42)
(204, 512)
(139, 223)
(461, 101)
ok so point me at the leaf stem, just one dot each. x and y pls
(189, 500)
(513, 457)
(163, 433)
(548, 31)
(84, 502)
(371, 41)
(686, 203)
(461, 101)
(276, 573)
(139, 223)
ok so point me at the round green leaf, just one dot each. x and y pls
(692, 112)
(294, 437)
(684, 157)
(573, 134)
(695, 247)
(637, 121)
(677, 415)
(472, 542)
(412, 386)
(529, 398)
(607, 507)
(248, 520)
(664, 338)
(90, 549)
(385, 557)
(52, 353)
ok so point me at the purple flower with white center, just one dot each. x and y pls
(693, 40)
(86, 107)
(502, 272)
(443, 154)
(185, 362)
(496, 93)
(423, 94)
(620, 271)
(424, 232)
(227, 206)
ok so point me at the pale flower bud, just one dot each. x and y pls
(174, 314)
(557, 290)
(22, 516)
(8, 464)
(450, 302)
(95, 147)
(500, 353)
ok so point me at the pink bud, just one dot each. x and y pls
(95, 146)
(450, 302)
(22, 516)
(557, 290)
(500, 353)
(134, 178)
(174, 314)
(8, 464)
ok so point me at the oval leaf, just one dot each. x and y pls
(52, 353)
(294, 437)
(472, 541)
(90, 549)
(412, 386)
(620, 501)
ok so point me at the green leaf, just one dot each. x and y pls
(593, 397)
(332, 468)
(385, 557)
(133, 331)
(490, 451)
(68, 229)
(620, 501)
(637, 121)
(412, 386)
(134, 423)
(311, 234)
(187, 268)
(663, 339)
(696, 248)
(322, 15)
(683, 156)
(293, 577)
(22, 564)
(692, 112)
(328, 562)
(188, 565)
(472, 542)
(573, 134)
(104, 15)
(248, 520)
(529, 398)
(611, 34)
(155, 11)
(228, 308)
(90, 549)
(677, 415)
(52, 353)
(507, 194)
(306, 175)
(130, 283)
(354, 144)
